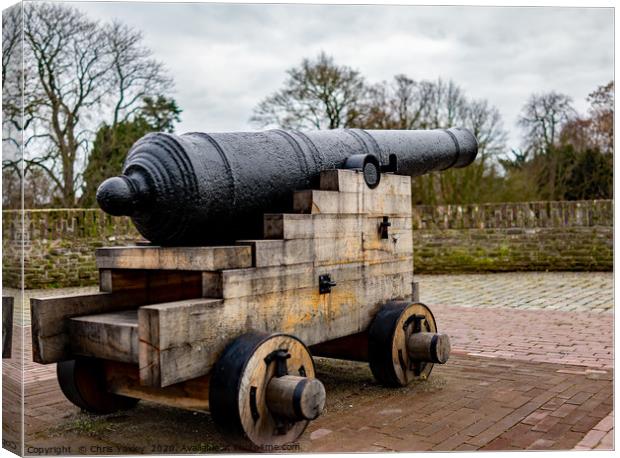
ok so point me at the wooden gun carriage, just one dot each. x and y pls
(233, 328)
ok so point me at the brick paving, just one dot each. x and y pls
(601, 437)
(518, 379)
(476, 404)
(583, 339)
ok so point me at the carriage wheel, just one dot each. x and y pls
(403, 344)
(263, 391)
(83, 382)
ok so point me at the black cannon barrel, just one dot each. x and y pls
(196, 188)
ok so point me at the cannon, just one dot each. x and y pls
(195, 188)
(265, 250)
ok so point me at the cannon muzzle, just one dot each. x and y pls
(196, 188)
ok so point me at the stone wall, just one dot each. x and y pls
(576, 235)
(60, 244)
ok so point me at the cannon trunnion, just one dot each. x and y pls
(233, 328)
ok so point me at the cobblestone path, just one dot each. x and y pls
(564, 291)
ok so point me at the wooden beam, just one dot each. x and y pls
(251, 282)
(303, 226)
(173, 346)
(127, 290)
(335, 250)
(180, 341)
(333, 202)
(352, 348)
(174, 258)
(160, 285)
(50, 325)
(124, 379)
(112, 336)
(353, 181)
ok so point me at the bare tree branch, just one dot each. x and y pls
(78, 74)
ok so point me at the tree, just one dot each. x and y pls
(591, 140)
(160, 113)
(112, 142)
(542, 119)
(408, 104)
(568, 156)
(602, 116)
(77, 73)
(12, 77)
(321, 94)
(135, 75)
(316, 95)
(591, 176)
(35, 190)
(401, 104)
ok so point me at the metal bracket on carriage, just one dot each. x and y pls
(326, 284)
(383, 227)
(279, 356)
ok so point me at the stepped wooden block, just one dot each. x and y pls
(181, 341)
(333, 202)
(51, 340)
(112, 336)
(176, 340)
(174, 258)
(121, 290)
(344, 192)
(353, 181)
(293, 226)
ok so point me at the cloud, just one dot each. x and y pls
(226, 57)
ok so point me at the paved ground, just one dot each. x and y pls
(530, 370)
(565, 291)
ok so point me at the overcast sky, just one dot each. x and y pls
(225, 58)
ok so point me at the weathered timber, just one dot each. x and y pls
(112, 336)
(181, 341)
(327, 251)
(249, 282)
(353, 181)
(292, 226)
(50, 325)
(175, 258)
(7, 326)
(124, 379)
(351, 348)
(334, 202)
(160, 285)
(172, 339)
(50, 331)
